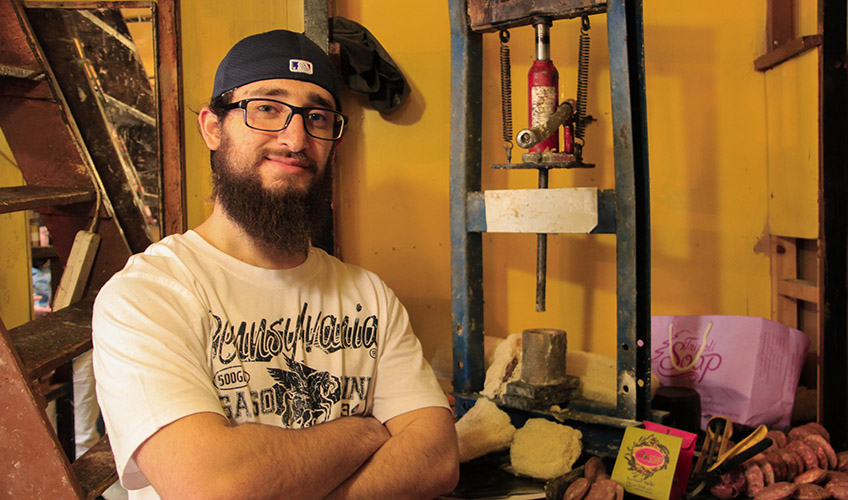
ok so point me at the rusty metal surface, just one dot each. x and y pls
(633, 243)
(95, 469)
(465, 178)
(31, 463)
(48, 342)
(543, 353)
(492, 15)
(13, 199)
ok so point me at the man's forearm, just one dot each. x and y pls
(256, 461)
(419, 461)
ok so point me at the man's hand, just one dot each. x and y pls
(420, 461)
(202, 456)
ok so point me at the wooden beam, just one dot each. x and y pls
(492, 15)
(784, 265)
(780, 23)
(17, 198)
(786, 51)
(799, 290)
(171, 125)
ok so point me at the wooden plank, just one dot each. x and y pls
(799, 289)
(780, 24)
(31, 463)
(95, 469)
(492, 15)
(25, 73)
(17, 198)
(784, 266)
(77, 270)
(48, 342)
(88, 5)
(786, 51)
(171, 127)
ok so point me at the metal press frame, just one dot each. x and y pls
(623, 211)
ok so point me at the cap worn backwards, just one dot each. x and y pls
(276, 54)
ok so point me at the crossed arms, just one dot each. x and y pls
(414, 455)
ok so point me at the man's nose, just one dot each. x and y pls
(294, 136)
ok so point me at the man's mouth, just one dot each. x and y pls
(289, 163)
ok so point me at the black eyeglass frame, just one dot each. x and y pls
(296, 110)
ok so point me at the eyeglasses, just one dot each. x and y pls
(273, 116)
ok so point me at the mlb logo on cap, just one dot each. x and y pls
(300, 66)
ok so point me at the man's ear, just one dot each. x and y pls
(335, 149)
(210, 128)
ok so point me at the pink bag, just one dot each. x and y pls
(744, 368)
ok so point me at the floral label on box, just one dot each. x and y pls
(646, 462)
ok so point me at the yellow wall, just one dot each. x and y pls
(15, 273)
(709, 155)
(708, 158)
(209, 29)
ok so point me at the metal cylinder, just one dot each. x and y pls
(543, 356)
(543, 87)
(543, 40)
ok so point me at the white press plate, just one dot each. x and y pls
(562, 210)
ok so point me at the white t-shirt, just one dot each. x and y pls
(185, 328)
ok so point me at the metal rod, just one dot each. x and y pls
(543, 40)
(541, 254)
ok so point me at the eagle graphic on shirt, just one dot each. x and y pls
(306, 395)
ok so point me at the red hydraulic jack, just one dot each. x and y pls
(545, 121)
(546, 116)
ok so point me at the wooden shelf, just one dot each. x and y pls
(17, 198)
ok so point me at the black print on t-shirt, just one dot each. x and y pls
(262, 340)
(305, 396)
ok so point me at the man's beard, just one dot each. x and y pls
(279, 221)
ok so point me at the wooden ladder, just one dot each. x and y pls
(63, 184)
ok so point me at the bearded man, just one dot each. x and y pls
(238, 361)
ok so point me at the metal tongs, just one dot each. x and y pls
(726, 461)
(719, 431)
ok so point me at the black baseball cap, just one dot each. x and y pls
(276, 54)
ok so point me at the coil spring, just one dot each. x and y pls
(582, 78)
(506, 88)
